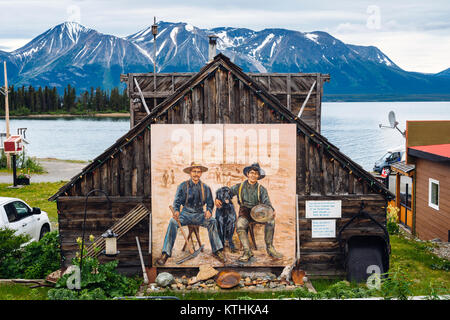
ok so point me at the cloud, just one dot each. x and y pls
(393, 26)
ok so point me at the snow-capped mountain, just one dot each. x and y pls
(70, 53)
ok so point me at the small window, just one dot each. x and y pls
(10, 212)
(433, 194)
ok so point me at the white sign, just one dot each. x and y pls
(323, 208)
(323, 228)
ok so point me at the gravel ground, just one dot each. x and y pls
(443, 250)
(57, 170)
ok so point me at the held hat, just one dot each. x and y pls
(256, 167)
(195, 165)
(262, 213)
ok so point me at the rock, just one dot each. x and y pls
(180, 286)
(436, 240)
(188, 287)
(174, 286)
(258, 275)
(192, 280)
(164, 279)
(248, 279)
(210, 281)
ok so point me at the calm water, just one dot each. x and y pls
(351, 126)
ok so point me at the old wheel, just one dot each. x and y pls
(45, 229)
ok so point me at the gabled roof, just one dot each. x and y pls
(221, 61)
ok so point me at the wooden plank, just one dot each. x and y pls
(218, 93)
(147, 163)
(307, 167)
(301, 167)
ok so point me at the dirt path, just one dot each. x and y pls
(57, 170)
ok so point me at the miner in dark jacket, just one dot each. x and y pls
(193, 195)
(250, 193)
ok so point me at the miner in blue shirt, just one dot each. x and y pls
(193, 195)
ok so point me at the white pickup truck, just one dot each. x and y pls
(15, 214)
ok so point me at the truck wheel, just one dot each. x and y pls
(45, 229)
(359, 258)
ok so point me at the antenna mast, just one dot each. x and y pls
(154, 32)
(5, 92)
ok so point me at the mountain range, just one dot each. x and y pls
(70, 53)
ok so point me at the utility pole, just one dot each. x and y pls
(154, 32)
(8, 157)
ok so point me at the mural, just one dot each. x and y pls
(230, 187)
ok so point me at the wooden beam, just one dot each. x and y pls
(141, 96)
(306, 100)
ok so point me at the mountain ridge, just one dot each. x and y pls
(70, 53)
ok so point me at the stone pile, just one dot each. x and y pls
(249, 281)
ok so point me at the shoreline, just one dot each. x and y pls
(68, 115)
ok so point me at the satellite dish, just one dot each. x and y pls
(392, 120)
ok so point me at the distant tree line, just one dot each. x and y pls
(29, 100)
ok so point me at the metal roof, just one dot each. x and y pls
(403, 167)
(441, 152)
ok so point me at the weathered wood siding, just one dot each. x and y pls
(220, 97)
(323, 256)
(432, 223)
(99, 217)
(291, 89)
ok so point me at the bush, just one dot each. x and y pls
(339, 290)
(392, 220)
(98, 281)
(33, 261)
(397, 284)
(10, 252)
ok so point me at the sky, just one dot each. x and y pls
(414, 34)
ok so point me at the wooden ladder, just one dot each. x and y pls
(121, 227)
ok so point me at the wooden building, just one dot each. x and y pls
(428, 162)
(222, 93)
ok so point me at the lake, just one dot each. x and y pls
(351, 126)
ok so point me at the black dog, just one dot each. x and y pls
(226, 217)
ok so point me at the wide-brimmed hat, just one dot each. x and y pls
(262, 213)
(195, 165)
(256, 167)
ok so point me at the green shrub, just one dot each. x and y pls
(33, 261)
(339, 290)
(392, 219)
(11, 252)
(43, 257)
(397, 285)
(98, 281)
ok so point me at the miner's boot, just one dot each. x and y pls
(268, 237)
(243, 237)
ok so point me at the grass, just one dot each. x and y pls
(419, 263)
(22, 292)
(36, 195)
